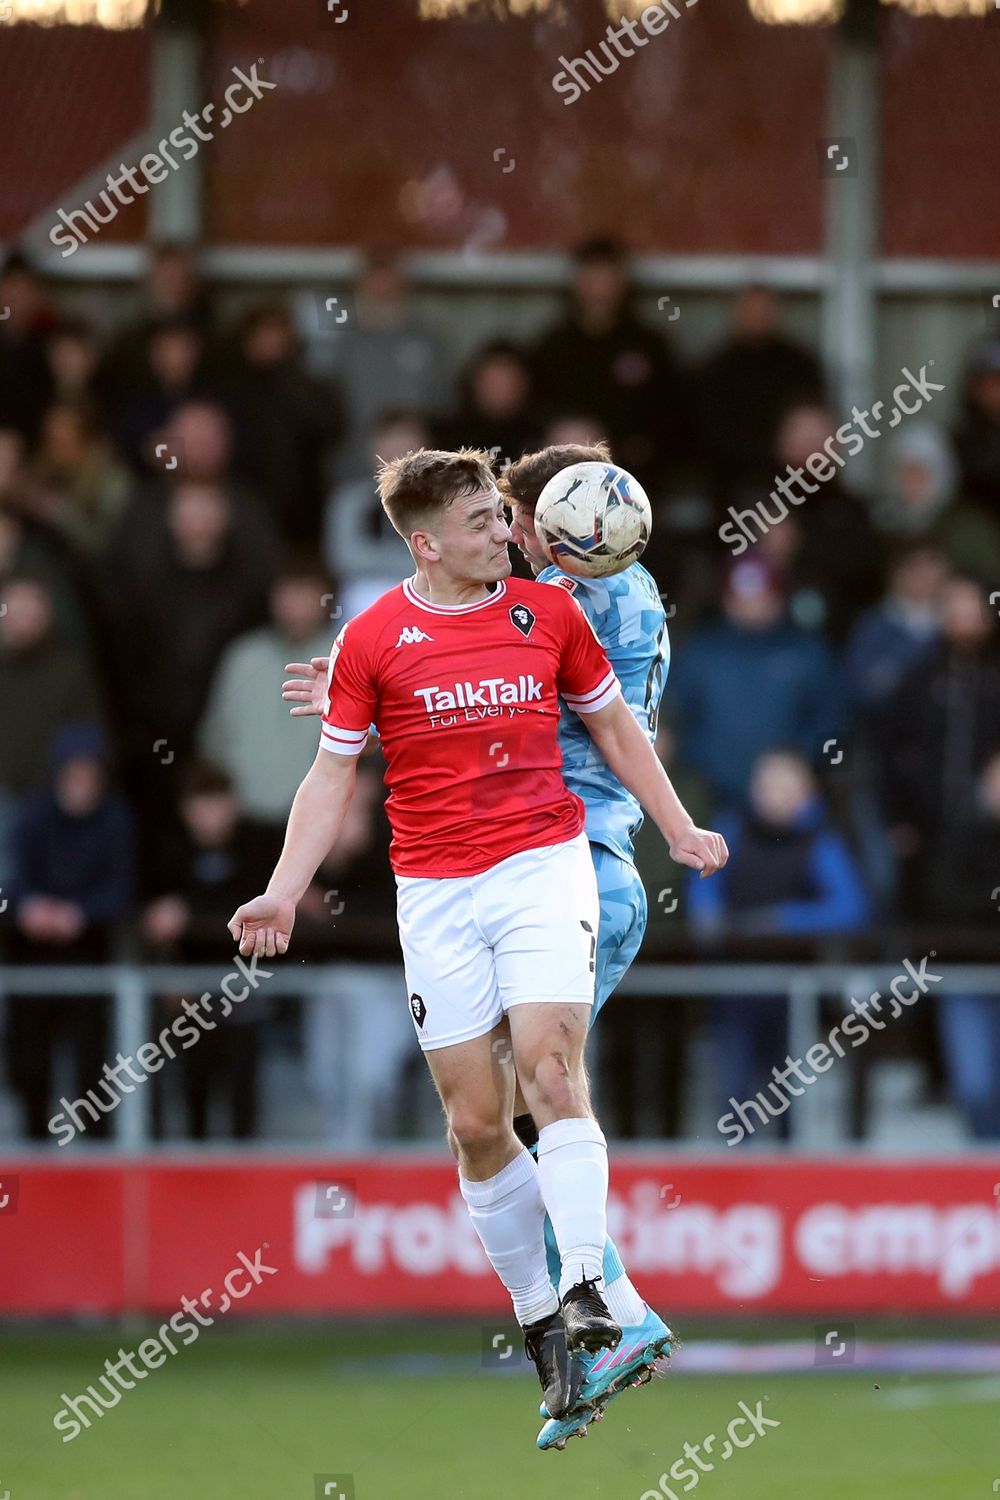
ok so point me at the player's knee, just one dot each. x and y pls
(471, 1131)
(558, 1077)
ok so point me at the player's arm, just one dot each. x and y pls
(263, 926)
(589, 687)
(616, 733)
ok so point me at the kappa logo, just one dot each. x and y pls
(410, 635)
(418, 1009)
(522, 618)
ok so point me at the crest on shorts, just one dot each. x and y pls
(522, 619)
(418, 1010)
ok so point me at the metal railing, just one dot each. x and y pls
(133, 987)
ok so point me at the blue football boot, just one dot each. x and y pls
(642, 1353)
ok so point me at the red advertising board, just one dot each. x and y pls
(372, 1235)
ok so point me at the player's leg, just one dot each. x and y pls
(455, 1007)
(540, 912)
(499, 1182)
(475, 1081)
(622, 927)
(548, 1041)
(646, 1340)
(623, 913)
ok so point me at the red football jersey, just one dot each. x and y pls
(465, 699)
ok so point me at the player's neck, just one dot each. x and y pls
(448, 591)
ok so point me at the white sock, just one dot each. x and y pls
(624, 1303)
(508, 1215)
(573, 1175)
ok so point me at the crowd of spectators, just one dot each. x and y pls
(185, 506)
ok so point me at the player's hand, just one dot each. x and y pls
(263, 927)
(307, 688)
(700, 849)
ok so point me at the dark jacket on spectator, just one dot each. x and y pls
(743, 389)
(25, 381)
(168, 624)
(626, 378)
(802, 881)
(287, 424)
(962, 874)
(42, 688)
(213, 880)
(937, 732)
(86, 860)
(977, 444)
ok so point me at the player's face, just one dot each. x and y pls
(472, 538)
(522, 529)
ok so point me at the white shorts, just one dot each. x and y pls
(522, 932)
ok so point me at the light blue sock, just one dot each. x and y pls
(623, 1300)
(613, 1267)
(552, 1254)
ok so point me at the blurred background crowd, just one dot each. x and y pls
(187, 503)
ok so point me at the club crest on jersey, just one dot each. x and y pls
(522, 618)
(418, 1010)
(410, 635)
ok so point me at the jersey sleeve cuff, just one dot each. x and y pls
(606, 692)
(343, 741)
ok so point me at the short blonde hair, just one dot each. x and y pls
(416, 488)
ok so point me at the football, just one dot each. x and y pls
(593, 519)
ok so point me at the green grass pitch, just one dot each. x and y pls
(248, 1413)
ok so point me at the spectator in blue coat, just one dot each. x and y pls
(73, 863)
(789, 872)
(750, 682)
(892, 636)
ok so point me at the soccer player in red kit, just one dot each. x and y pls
(461, 669)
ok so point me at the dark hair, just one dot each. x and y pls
(496, 349)
(599, 247)
(524, 481)
(30, 573)
(84, 409)
(72, 327)
(177, 322)
(393, 416)
(203, 779)
(903, 551)
(303, 567)
(265, 312)
(16, 261)
(383, 256)
(421, 484)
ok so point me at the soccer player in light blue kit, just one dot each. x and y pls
(628, 617)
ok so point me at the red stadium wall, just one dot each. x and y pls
(688, 147)
(71, 98)
(707, 140)
(779, 1236)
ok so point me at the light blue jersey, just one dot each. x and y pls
(627, 615)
